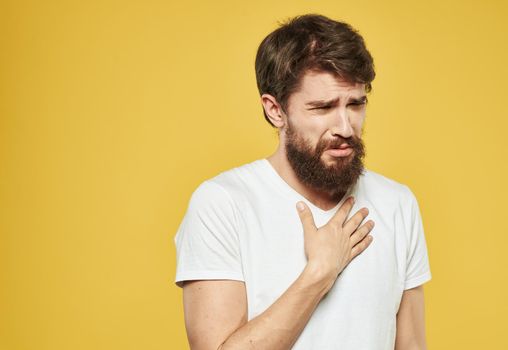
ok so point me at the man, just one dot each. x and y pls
(258, 273)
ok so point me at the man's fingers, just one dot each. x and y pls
(340, 215)
(361, 246)
(361, 232)
(306, 217)
(352, 224)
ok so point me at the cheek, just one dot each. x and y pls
(313, 129)
(357, 126)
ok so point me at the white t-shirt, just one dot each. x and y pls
(243, 225)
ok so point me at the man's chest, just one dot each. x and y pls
(273, 256)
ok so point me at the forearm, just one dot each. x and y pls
(279, 326)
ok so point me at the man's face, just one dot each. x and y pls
(316, 130)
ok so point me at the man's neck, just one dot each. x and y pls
(320, 199)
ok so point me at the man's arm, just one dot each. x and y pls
(216, 313)
(213, 309)
(411, 321)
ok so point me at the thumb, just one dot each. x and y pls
(306, 217)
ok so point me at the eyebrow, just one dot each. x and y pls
(319, 103)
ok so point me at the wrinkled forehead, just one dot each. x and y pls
(326, 86)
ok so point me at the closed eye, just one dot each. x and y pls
(349, 104)
(357, 103)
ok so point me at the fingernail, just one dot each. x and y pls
(300, 206)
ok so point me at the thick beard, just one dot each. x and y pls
(336, 178)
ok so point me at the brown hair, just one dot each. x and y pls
(306, 42)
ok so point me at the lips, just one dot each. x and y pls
(340, 152)
(342, 146)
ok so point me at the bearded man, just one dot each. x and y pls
(306, 248)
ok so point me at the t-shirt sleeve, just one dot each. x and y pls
(207, 245)
(417, 262)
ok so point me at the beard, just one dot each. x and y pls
(336, 177)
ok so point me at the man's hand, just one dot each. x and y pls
(334, 245)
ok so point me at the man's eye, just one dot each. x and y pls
(357, 103)
(325, 107)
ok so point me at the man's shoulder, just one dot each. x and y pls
(238, 179)
(377, 184)
(228, 184)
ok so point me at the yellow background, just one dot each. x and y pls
(112, 113)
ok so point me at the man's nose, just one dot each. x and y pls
(341, 124)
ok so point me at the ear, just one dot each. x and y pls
(273, 110)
